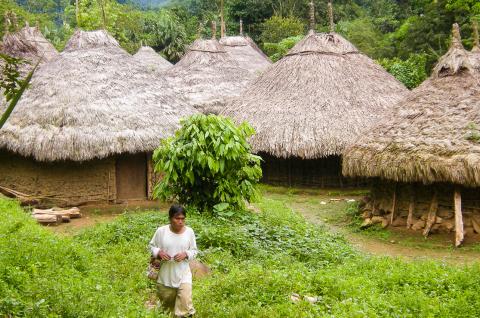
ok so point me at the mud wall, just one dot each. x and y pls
(380, 205)
(59, 183)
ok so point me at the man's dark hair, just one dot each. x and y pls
(175, 209)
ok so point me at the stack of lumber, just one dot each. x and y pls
(55, 216)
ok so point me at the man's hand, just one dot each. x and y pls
(180, 256)
(163, 256)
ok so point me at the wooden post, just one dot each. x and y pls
(394, 203)
(77, 12)
(222, 21)
(330, 16)
(241, 27)
(476, 41)
(459, 234)
(7, 22)
(214, 30)
(104, 15)
(289, 167)
(411, 207)
(312, 16)
(432, 214)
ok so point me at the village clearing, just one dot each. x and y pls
(260, 262)
(330, 208)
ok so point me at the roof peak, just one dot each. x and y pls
(84, 40)
(456, 60)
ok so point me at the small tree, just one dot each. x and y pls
(208, 164)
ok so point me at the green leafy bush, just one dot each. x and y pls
(277, 50)
(208, 164)
(411, 72)
(277, 28)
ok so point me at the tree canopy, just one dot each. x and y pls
(386, 30)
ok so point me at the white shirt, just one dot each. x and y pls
(173, 273)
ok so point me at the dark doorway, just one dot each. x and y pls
(131, 177)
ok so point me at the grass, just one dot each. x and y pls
(258, 261)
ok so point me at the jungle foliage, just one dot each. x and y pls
(387, 30)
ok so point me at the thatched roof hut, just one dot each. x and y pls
(208, 76)
(246, 52)
(151, 59)
(91, 104)
(316, 100)
(29, 44)
(432, 139)
(92, 88)
(427, 138)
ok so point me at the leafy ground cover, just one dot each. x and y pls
(258, 260)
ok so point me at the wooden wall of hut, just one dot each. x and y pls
(401, 197)
(65, 183)
(319, 173)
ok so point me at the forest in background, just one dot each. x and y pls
(405, 36)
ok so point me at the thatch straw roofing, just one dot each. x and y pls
(428, 138)
(316, 100)
(246, 52)
(151, 59)
(29, 44)
(207, 75)
(92, 103)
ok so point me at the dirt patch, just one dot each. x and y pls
(101, 213)
(329, 210)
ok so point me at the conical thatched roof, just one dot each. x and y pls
(91, 102)
(208, 76)
(151, 59)
(29, 44)
(246, 53)
(316, 100)
(435, 133)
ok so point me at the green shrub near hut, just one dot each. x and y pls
(208, 164)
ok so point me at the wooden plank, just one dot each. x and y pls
(394, 203)
(432, 214)
(411, 207)
(459, 233)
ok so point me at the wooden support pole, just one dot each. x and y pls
(214, 30)
(222, 21)
(394, 203)
(312, 16)
(104, 14)
(459, 234)
(411, 207)
(77, 12)
(241, 27)
(330, 16)
(432, 214)
(476, 41)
